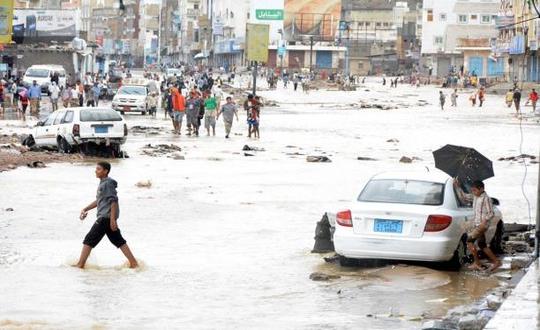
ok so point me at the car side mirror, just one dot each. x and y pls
(40, 123)
(495, 201)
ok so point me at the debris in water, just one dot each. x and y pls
(318, 159)
(144, 184)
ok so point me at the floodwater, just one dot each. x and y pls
(224, 240)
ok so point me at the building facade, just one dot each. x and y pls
(457, 35)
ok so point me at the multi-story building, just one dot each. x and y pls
(381, 35)
(229, 18)
(458, 35)
(518, 39)
(118, 32)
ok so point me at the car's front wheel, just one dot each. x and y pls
(63, 145)
(29, 141)
(347, 262)
(460, 255)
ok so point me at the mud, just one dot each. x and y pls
(158, 150)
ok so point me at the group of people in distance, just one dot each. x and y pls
(205, 107)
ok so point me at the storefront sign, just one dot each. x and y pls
(269, 14)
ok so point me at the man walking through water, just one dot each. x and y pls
(108, 212)
(483, 213)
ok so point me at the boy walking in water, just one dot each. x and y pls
(483, 213)
(108, 212)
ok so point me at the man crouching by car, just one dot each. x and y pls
(483, 213)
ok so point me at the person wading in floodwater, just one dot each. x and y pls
(483, 213)
(108, 212)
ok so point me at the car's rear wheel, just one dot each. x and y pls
(347, 262)
(143, 113)
(497, 240)
(29, 141)
(460, 255)
(63, 145)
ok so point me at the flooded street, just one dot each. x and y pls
(224, 239)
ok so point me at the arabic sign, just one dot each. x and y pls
(257, 42)
(6, 21)
(269, 14)
(217, 26)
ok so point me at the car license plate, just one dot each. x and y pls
(388, 226)
(126, 108)
(101, 129)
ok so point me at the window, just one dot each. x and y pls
(439, 40)
(430, 15)
(474, 17)
(195, 6)
(442, 17)
(59, 118)
(378, 24)
(68, 118)
(360, 24)
(385, 24)
(50, 119)
(360, 65)
(368, 24)
(100, 115)
(486, 19)
(463, 19)
(403, 192)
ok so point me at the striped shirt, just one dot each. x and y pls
(482, 206)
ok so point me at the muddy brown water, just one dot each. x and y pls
(223, 239)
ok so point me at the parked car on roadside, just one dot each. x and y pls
(409, 216)
(73, 129)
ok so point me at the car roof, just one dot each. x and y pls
(431, 175)
(88, 108)
(47, 66)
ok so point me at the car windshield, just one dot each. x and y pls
(403, 192)
(39, 73)
(100, 115)
(132, 90)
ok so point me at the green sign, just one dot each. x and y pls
(269, 14)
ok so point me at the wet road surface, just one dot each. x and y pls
(223, 239)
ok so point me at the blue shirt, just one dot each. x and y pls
(96, 91)
(34, 92)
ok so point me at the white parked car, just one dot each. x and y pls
(131, 98)
(409, 216)
(42, 75)
(74, 128)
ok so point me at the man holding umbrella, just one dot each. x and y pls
(467, 165)
(483, 213)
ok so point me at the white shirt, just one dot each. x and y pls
(55, 91)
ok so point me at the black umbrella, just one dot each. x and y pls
(466, 164)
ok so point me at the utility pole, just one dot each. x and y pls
(310, 54)
(254, 92)
(537, 229)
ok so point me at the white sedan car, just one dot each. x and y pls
(71, 128)
(409, 216)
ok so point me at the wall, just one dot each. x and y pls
(436, 28)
